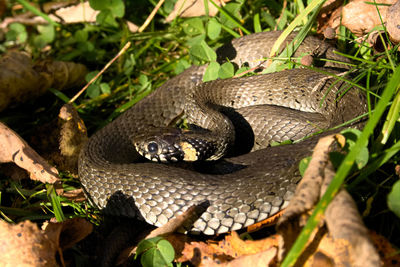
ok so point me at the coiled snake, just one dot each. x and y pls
(297, 101)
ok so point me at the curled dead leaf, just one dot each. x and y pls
(14, 149)
(308, 190)
(393, 22)
(25, 244)
(342, 218)
(73, 136)
(61, 12)
(193, 8)
(345, 225)
(76, 195)
(361, 17)
(81, 12)
(326, 13)
(261, 259)
(232, 247)
(23, 80)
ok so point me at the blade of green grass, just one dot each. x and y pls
(314, 5)
(59, 94)
(37, 12)
(234, 20)
(387, 154)
(231, 32)
(390, 121)
(55, 203)
(343, 170)
(292, 47)
(257, 23)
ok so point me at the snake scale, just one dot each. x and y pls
(298, 101)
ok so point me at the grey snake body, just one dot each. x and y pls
(298, 102)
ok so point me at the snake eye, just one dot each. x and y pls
(152, 147)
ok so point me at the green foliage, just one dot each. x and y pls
(394, 199)
(16, 33)
(144, 84)
(96, 88)
(352, 136)
(303, 165)
(193, 26)
(46, 35)
(337, 157)
(213, 29)
(155, 252)
(110, 10)
(56, 203)
(202, 52)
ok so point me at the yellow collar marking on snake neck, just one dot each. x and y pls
(190, 151)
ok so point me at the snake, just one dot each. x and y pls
(119, 176)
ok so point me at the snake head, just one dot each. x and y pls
(159, 144)
(172, 145)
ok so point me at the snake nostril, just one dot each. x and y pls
(152, 147)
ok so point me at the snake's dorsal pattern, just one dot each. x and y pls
(120, 181)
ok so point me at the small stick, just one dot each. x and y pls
(127, 45)
(151, 16)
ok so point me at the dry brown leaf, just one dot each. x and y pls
(132, 26)
(307, 60)
(60, 141)
(337, 251)
(393, 22)
(14, 149)
(328, 8)
(230, 248)
(68, 233)
(261, 259)
(389, 254)
(319, 259)
(76, 195)
(345, 225)
(22, 80)
(25, 244)
(334, 21)
(19, 80)
(62, 13)
(234, 246)
(360, 17)
(324, 250)
(73, 136)
(81, 12)
(61, 74)
(343, 220)
(267, 222)
(308, 190)
(193, 8)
